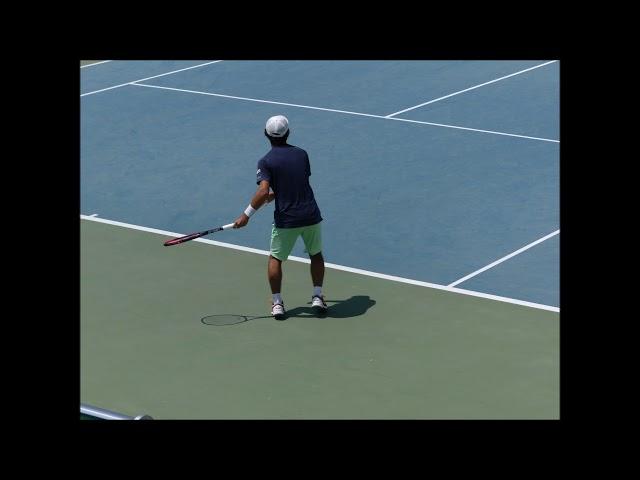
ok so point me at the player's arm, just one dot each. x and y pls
(261, 197)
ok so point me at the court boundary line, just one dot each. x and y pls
(468, 89)
(148, 78)
(332, 266)
(97, 63)
(197, 92)
(503, 259)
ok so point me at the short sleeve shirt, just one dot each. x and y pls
(287, 169)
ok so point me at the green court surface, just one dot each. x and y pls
(386, 350)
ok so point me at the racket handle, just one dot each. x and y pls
(228, 226)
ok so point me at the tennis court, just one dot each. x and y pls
(438, 182)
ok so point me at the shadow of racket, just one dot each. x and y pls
(229, 319)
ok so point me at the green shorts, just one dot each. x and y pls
(283, 240)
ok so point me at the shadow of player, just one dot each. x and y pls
(351, 307)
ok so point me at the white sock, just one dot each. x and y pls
(277, 299)
(317, 291)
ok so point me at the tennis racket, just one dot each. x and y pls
(192, 236)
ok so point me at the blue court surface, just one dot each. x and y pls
(430, 193)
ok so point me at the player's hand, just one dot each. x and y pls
(241, 221)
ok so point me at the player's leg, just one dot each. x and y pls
(274, 272)
(282, 242)
(312, 237)
(317, 269)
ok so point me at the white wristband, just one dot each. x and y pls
(249, 211)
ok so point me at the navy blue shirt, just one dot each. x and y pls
(287, 169)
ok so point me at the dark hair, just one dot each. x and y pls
(277, 141)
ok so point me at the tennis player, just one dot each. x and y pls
(285, 169)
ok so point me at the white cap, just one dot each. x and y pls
(277, 126)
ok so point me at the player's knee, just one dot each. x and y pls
(274, 259)
(316, 257)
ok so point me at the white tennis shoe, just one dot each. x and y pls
(318, 304)
(277, 310)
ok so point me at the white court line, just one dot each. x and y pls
(149, 78)
(467, 89)
(94, 215)
(507, 257)
(332, 266)
(92, 64)
(472, 129)
(135, 84)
